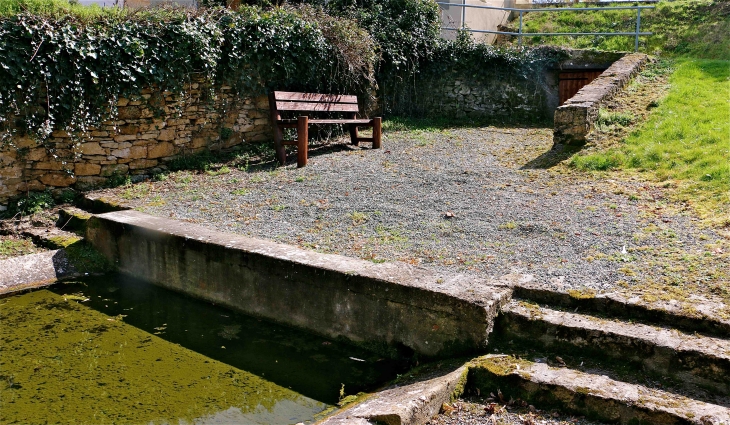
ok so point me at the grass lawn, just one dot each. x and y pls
(696, 28)
(686, 140)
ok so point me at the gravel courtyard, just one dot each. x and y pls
(470, 200)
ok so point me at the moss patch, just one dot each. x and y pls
(12, 246)
(503, 365)
(582, 294)
(85, 258)
(66, 363)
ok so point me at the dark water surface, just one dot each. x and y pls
(113, 349)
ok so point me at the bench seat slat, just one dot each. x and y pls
(327, 121)
(316, 107)
(315, 97)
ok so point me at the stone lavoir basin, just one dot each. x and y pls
(114, 349)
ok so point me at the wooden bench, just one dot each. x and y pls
(314, 102)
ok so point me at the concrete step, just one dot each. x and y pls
(693, 360)
(595, 396)
(705, 317)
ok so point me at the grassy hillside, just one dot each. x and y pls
(696, 28)
(685, 141)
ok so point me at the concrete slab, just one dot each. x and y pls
(410, 404)
(33, 271)
(385, 306)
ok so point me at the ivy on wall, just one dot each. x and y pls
(67, 72)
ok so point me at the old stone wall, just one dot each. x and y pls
(576, 118)
(148, 132)
(497, 94)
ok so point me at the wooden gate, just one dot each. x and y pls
(572, 81)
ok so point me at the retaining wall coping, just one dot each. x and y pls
(432, 313)
(575, 119)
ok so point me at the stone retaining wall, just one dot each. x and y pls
(148, 132)
(458, 94)
(393, 307)
(575, 119)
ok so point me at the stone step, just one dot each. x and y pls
(693, 360)
(72, 219)
(594, 396)
(705, 317)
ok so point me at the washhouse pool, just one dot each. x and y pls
(113, 349)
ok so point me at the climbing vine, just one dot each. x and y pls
(67, 72)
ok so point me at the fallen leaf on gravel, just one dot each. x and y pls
(449, 214)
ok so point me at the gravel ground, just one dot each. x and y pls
(475, 413)
(472, 200)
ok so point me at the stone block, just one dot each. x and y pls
(36, 154)
(199, 142)
(24, 142)
(92, 148)
(112, 169)
(58, 179)
(121, 153)
(126, 138)
(142, 163)
(87, 169)
(136, 152)
(160, 150)
(149, 136)
(166, 135)
(31, 186)
(128, 129)
(48, 165)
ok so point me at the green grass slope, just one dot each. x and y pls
(686, 139)
(697, 28)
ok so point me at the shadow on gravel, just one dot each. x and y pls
(324, 149)
(550, 158)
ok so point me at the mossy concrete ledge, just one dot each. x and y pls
(33, 271)
(385, 306)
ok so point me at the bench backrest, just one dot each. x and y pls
(315, 102)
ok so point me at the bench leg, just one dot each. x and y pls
(353, 134)
(280, 150)
(302, 140)
(377, 132)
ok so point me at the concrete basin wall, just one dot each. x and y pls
(387, 306)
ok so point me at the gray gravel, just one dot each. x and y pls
(461, 200)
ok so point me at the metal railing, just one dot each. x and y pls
(521, 12)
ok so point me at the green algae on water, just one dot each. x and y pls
(61, 362)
